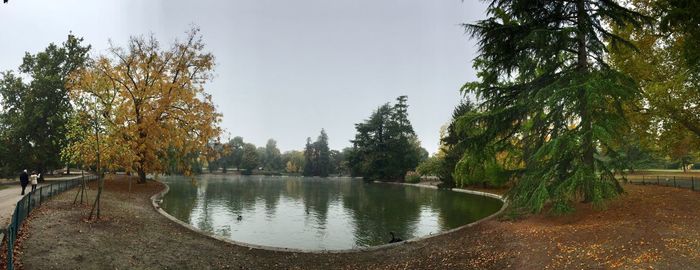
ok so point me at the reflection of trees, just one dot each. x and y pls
(317, 195)
(292, 188)
(375, 209)
(457, 209)
(243, 194)
(204, 222)
(380, 208)
(270, 189)
(181, 199)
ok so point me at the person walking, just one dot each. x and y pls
(35, 180)
(23, 180)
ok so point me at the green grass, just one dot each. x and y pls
(666, 172)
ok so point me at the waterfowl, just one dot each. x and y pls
(239, 218)
(394, 239)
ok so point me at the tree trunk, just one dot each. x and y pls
(96, 204)
(584, 110)
(142, 175)
(81, 190)
(141, 168)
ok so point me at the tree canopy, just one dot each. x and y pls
(666, 118)
(153, 101)
(385, 146)
(35, 114)
(545, 88)
(317, 156)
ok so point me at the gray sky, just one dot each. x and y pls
(285, 69)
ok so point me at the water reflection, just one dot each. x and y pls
(317, 213)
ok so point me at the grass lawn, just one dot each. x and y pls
(666, 172)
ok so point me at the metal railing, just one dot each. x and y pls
(30, 201)
(679, 181)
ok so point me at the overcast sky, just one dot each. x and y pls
(285, 69)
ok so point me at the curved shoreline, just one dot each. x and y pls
(159, 196)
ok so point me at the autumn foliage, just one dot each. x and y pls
(144, 106)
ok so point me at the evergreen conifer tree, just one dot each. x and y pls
(323, 161)
(546, 88)
(309, 158)
(385, 146)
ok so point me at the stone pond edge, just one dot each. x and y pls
(157, 198)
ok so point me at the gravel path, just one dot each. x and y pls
(11, 194)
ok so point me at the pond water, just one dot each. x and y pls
(318, 213)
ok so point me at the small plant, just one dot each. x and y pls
(412, 177)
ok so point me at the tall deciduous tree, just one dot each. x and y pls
(93, 142)
(293, 160)
(273, 157)
(159, 102)
(35, 114)
(546, 87)
(682, 17)
(665, 65)
(236, 155)
(249, 159)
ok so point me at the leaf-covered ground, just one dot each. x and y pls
(649, 227)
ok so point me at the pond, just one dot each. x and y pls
(318, 213)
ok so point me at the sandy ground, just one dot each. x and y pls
(650, 227)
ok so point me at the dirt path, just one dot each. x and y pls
(649, 227)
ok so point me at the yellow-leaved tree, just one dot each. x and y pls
(151, 105)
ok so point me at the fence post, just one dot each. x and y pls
(674, 181)
(11, 240)
(29, 205)
(657, 180)
(692, 179)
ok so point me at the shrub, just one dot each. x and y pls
(412, 177)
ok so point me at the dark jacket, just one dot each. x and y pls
(24, 178)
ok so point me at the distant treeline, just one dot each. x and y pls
(385, 148)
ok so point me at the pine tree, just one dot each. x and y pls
(545, 87)
(385, 146)
(322, 161)
(452, 144)
(309, 159)
(402, 141)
